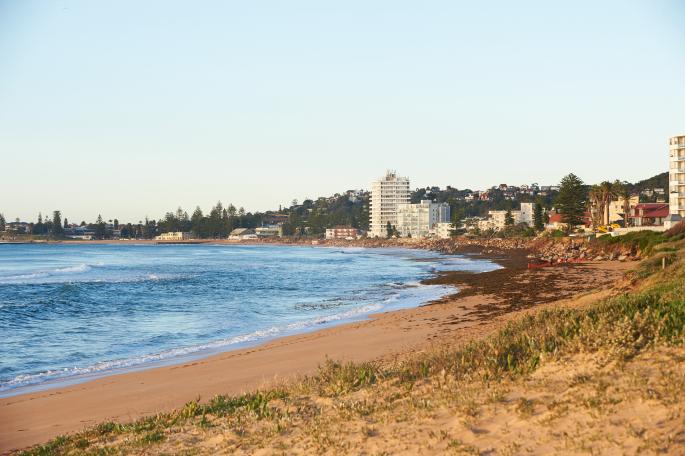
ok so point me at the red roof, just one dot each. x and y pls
(555, 217)
(651, 210)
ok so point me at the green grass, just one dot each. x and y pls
(642, 241)
(622, 326)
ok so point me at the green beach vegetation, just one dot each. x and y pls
(592, 363)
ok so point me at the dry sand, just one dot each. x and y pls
(486, 302)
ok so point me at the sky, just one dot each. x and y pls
(130, 109)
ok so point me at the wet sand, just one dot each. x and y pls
(485, 303)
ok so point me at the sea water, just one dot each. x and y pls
(74, 312)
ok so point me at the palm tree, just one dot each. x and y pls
(607, 193)
(596, 204)
(621, 191)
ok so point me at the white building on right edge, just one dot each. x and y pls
(676, 181)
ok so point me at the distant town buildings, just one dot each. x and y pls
(420, 220)
(676, 181)
(386, 194)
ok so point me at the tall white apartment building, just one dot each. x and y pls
(676, 181)
(420, 220)
(386, 194)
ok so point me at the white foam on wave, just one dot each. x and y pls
(78, 274)
(22, 278)
(75, 269)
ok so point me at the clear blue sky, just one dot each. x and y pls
(131, 108)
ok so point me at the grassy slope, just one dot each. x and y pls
(601, 378)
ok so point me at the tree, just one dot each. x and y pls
(596, 204)
(538, 222)
(196, 221)
(389, 230)
(570, 201)
(39, 227)
(623, 193)
(508, 219)
(2, 222)
(607, 192)
(458, 215)
(66, 223)
(100, 228)
(57, 223)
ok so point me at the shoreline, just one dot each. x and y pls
(32, 418)
(446, 290)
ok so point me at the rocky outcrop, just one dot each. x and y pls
(541, 249)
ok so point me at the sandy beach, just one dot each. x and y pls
(485, 303)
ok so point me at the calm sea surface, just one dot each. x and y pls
(72, 312)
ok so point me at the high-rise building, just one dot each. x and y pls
(421, 219)
(386, 194)
(676, 180)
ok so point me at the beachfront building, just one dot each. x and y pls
(443, 230)
(386, 194)
(342, 232)
(174, 236)
(269, 231)
(617, 210)
(497, 220)
(649, 214)
(419, 220)
(676, 181)
(240, 234)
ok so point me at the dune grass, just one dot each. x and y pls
(652, 314)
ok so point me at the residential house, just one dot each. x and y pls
(649, 214)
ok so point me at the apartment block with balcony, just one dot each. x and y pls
(421, 219)
(676, 180)
(342, 232)
(386, 194)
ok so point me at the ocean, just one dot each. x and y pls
(69, 313)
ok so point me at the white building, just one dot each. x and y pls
(269, 231)
(526, 214)
(676, 181)
(418, 220)
(386, 194)
(342, 232)
(240, 234)
(174, 236)
(497, 220)
(443, 230)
